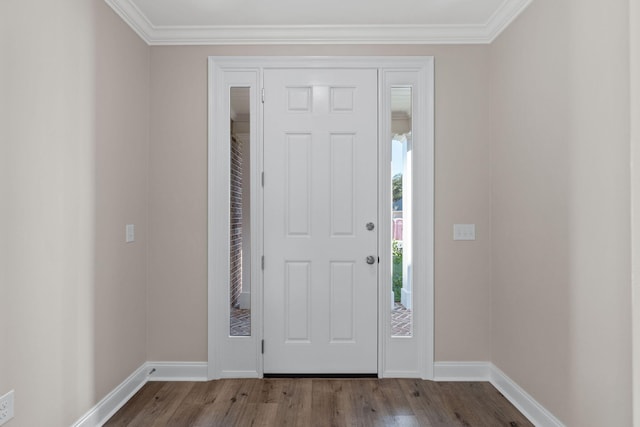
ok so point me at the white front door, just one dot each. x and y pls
(320, 193)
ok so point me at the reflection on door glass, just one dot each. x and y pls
(239, 219)
(401, 208)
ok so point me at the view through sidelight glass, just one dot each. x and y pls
(401, 208)
(239, 213)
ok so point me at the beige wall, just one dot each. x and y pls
(121, 197)
(71, 306)
(178, 195)
(560, 208)
(47, 210)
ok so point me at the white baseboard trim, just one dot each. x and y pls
(164, 371)
(534, 411)
(100, 414)
(486, 371)
(239, 374)
(401, 374)
(461, 371)
(178, 371)
(197, 371)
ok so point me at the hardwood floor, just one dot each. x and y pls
(318, 402)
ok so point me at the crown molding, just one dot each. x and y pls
(317, 34)
(504, 16)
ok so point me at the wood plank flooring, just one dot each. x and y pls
(318, 402)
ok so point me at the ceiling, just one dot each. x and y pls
(191, 22)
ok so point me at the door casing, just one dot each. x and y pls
(237, 357)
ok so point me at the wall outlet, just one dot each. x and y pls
(6, 407)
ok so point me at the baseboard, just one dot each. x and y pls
(239, 374)
(149, 371)
(99, 414)
(486, 371)
(401, 374)
(177, 371)
(197, 371)
(534, 411)
(461, 371)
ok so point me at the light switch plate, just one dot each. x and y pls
(464, 232)
(130, 233)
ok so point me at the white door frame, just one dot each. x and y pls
(397, 356)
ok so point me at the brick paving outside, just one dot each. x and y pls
(401, 320)
(240, 322)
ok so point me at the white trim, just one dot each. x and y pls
(462, 371)
(240, 374)
(522, 400)
(503, 17)
(133, 16)
(100, 414)
(225, 358)
(177, 371)
(229, 355)
(197, 371)
(487, 371)
(318, 34)
(149, 371)
(400, 374)
(233, 63)
(218, 253)
(400, 355)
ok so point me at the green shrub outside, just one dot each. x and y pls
(396, 277)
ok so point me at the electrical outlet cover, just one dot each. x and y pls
(6, 407)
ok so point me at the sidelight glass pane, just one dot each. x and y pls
(239, 214)
(401, 208)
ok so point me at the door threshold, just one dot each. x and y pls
(327, 376)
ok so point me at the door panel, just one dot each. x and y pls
(320, 163)
(297, 180)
